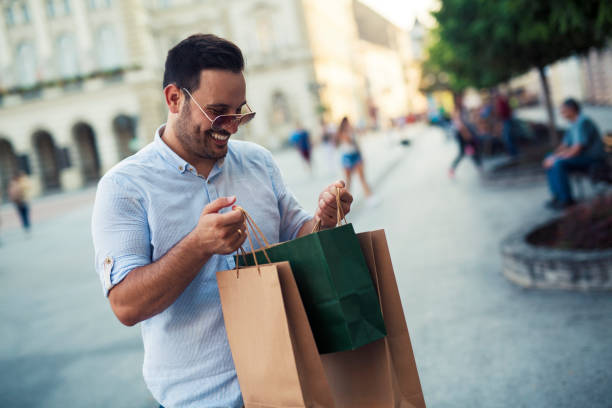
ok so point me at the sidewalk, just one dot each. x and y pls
(479, 341)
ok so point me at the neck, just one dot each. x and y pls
(203, 166)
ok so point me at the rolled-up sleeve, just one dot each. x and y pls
(292, 215)
(120, 231)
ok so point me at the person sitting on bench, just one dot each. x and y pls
(580, 149)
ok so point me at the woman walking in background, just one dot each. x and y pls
(351, 159)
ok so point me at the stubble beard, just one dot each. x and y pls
(194, 141)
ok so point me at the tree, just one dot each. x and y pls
(482, 43)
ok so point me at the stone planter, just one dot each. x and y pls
(547, 268)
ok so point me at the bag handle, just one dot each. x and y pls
(253, 228)
(340, 216)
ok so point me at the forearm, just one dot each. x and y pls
(570, 152)
(307, 228)
(149, 290)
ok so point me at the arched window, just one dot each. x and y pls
(68, 64)
(26, 64)
(107, 48)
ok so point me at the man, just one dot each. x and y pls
(580, 149)
(164, 224)
(504, 114)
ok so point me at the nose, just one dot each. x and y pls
(232, 127)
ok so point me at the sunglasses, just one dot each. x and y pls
(225, 122)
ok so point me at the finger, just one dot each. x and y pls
(328, 220)
(328, 198)
(345, 196)
(231, 217)
(237, 240)
(218, 204)
(339, 184)
(329, 208)
(230, 231)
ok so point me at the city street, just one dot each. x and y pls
(479, 341)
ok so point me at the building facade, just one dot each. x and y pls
(80, 80)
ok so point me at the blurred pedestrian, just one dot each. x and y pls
(466, 137)
(580, 149)
(300, 138)
(18, 190)
(351, 158)
(503, 111)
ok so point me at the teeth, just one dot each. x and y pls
(220, 137)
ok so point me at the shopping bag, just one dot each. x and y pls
(274, 352)
(335, 286)
(383, 373)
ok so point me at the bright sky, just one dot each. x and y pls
(402, 12)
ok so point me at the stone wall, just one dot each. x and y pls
(547, 268)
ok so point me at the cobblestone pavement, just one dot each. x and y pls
(479, 341)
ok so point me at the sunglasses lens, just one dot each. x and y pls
(225, 121)
(247, 118)
(222, 122)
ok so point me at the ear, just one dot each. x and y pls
(174, 98)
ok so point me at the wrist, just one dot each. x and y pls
(197, 245)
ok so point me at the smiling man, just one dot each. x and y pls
(164, 224)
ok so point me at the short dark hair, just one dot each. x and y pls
(197, 52)
(572, 104)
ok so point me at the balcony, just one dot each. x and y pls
(24, 94)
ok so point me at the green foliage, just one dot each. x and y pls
(482, 42)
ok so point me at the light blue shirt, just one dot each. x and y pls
(584, 132)
(148, 203)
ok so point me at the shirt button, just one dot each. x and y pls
(180, 168)
(108, 260)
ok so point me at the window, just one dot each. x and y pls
(100, 4)
(26, 64)
(107, 48)
(58, 8)
(25, 13)
(9, 16)
(265, 34)
(16, 12)
(68, 64)
(280, 109)
(50, 8)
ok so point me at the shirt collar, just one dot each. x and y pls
(176, 161)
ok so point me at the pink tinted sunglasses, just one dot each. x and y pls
(222, 122)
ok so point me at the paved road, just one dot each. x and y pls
(479, 341)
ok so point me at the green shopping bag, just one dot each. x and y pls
(335, 286)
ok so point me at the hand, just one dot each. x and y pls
(327, 211)
(549, 162)
(220, 233)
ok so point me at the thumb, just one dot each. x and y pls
(218, 204)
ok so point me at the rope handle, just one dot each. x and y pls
(340, 216)
(261, 241)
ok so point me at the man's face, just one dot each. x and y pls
(568, 113)
(220, 93)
